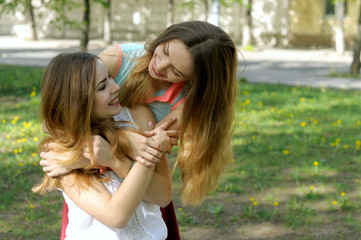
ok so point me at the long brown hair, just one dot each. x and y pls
(67, 93)
(207, 118)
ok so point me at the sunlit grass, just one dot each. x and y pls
(297, 155)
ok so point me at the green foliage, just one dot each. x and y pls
(297, 152)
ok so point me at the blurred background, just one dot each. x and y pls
(251, 23)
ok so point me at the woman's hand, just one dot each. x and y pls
(53, 159)
(165, 138)
(144, 149)
(102, 152)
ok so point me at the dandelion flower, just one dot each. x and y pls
(343, 194)
(345, 146)
(285, 152)
(20, 164)
(31, 206)
(315, 163)
(334, 202)
(312, 187)
(32, 94)
(252, 199)
(275, 204)
(3, 121)
(255, 203)
(303, 124)
(180, 209)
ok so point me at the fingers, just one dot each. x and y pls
(167, 123)
(151, 158)
(150, 126)
(173, 141)
(144, 162)
(173, 133)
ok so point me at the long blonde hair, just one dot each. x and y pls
(205, 143)
(67, 93)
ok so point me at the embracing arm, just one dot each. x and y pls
(117, 209)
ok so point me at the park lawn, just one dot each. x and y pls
(295, 172)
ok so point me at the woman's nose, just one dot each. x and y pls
(162, 65)
(115, 87)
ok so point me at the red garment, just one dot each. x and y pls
(168, 215)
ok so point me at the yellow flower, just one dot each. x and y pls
(275, 204)
(337, 140)
(247, 101)
(20, 164)
(334, 202)
(303, 124)
(357, 181)
(339, 121)
(36, 139)
(19, 140)
(315, 121)
(35, 164)
(285, 152)
(358, 122)
(7, 136)
(31, 206)
(343, 194)
(3, 121)
(345, 146)
(358, 142)
(245, 92)
(180, 209)
(301, 99)
(32, 94)
(16, 118)
(260, 104)
(253, 137)
(252, 199)
(312, 187)
(13, 121)
(255, 203)
(315, 163)
(16, 151)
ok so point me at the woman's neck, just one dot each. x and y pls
(160, 84)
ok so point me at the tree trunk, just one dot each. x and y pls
(340, 43)
(206, 9)
(86, 25)
(170, 13)
(31, 21)
(215, 11)
(355, 66)
(107, 23)
(247, 29)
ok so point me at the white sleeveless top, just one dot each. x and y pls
(146, 223)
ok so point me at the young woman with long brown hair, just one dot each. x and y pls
(188, 72)
(79, 100)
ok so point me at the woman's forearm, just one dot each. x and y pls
(160, 188)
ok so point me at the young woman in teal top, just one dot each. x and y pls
(203, 58)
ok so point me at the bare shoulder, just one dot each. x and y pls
(110, 57)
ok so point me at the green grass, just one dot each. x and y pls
(297, 155)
